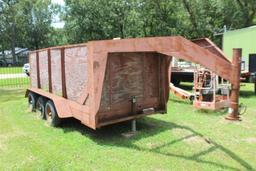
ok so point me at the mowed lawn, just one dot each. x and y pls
(11, 70)
(14, 82)
(183, 139)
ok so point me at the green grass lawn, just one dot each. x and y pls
(183, 139)
(14, 82)
(11, 70)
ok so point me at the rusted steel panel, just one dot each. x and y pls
(170, 46)
(56, 72)
(63, 70)
(49, 70)
(105, 104)
(192, 52)
(130, 75)
(76, 71)
(43, 65)
(209, 45)
(127, 78)
(38, 71)
(151, 75)
(234, 97)
(33, 70)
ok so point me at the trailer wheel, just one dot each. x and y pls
(40, 107)
(32, 98)
(51, 114)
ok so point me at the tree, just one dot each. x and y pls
(248, 11)
(98, 19)
(160, 18)
(36, 26)
(8, 13)
(25, 23)
(209, 16)
(104, 19)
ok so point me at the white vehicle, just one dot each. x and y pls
(26, 68)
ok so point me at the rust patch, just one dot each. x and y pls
(96, 65)
(56, 72)
(251, 140)
(43, 65)
(76, 64)
(128, 75)
(33, 70)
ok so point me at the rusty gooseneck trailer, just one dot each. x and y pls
(105, 82)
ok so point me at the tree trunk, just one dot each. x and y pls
(191, 13)
(3, 54)
(13, 39)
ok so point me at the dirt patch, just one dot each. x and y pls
(129, 134)
(251, 140)
(152, 145)
(28, 159)
(181, 132)
(2, 146)
(190, 138)
(195, 139)
(4, 138)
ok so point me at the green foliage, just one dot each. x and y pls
(102, 19)
(57, 37)
(26, 23)
(37, 18)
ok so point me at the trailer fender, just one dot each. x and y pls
(61, 104)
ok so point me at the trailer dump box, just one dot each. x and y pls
(105, 82)
(99, 87)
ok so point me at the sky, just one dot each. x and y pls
(56, 20)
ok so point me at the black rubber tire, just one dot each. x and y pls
(192, 98)
(32, 98)
(51, 114)
(40, 107)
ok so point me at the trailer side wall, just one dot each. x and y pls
(76, 71)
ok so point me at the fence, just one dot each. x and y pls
(13, 77)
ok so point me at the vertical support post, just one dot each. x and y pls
(234, 96)
(254, 80)
(254, 87)
(134, 125)
(38, 70)
(63, 75)
(49, 70)
(133, 100)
